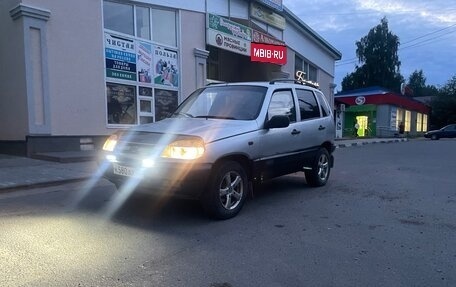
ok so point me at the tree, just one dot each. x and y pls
(417, 82)
(444, 105)
(377, 54)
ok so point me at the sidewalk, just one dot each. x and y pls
(23, 173)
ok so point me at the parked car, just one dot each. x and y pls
(223, 140)
(448, 131)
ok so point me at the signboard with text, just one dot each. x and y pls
(268, 53)
(266, 15)
(228, 35)
(120, 58)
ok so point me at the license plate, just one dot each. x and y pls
(123, 170)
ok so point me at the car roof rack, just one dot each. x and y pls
(300, 82)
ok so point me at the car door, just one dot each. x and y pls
(279, 147)
(312, 126)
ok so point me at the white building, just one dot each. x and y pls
(75, 71)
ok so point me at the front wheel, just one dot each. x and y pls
(434, 137)
(321, 168)
(227, 190)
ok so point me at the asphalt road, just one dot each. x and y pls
(386, 218)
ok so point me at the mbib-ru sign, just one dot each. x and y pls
(268, 53)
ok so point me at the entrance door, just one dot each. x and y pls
(362, 125)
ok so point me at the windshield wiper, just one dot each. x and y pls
(183, 114)
(216, 117)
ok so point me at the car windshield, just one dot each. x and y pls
(223, 102)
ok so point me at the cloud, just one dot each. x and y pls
(426, 29)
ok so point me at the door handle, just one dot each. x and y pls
(320, 128)
(295, 132)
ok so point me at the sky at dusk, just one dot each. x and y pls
(426, 31)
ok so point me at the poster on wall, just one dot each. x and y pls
(144, 62)
(166, 71)
(393, 119)
(165, 103)
(121, 101)
(120, 57)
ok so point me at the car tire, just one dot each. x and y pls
(434, 137)
(227, 190)
(321, 167)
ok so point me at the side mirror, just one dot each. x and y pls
(277, 121)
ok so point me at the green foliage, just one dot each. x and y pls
(417, 82)
(377, 53)
(444, 105)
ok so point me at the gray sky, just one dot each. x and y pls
(426, 30)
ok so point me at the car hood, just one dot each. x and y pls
(208, 129)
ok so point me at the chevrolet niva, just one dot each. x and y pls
(223, 140)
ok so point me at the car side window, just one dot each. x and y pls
(308, 105)
(282, 104)
(325, 108)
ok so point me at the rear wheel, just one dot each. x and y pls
(226, 191)
(319, 174)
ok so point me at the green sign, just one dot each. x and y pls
(229, 27)
(120, 75)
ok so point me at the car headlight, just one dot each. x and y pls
(111, 142)
(184, 149)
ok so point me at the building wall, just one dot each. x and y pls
(68, 62)
(192, 36)
(13, 107)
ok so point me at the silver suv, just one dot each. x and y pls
(223, 140)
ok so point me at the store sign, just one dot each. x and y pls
(276, 4)
(266, 15)
(120, 58)
(228, 35)
(268, 53)
(166, 71)
(360, 100)
(259, 37)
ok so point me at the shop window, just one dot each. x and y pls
(419, 122)
(121, 101)
(408, 118)
(138, 64)
(165, 103)
(400, 120)
(164, 27)
(143, 22)
(308, 106)
(425, 123)
(311, 72)
(118, 17)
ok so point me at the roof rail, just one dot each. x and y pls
(300, 82)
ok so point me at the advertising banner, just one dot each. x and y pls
(266, 15)
(228, 35)
(166, 71)
(120, 58)
(268, 54)
(228, 42)
(144, 62)
(259, 37)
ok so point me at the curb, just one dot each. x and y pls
(370, 142)
(40, 184)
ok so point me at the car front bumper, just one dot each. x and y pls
(186, 180)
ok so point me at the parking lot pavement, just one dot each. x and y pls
(22, 173)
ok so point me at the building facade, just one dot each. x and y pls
(378, 112)
(76, 71)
